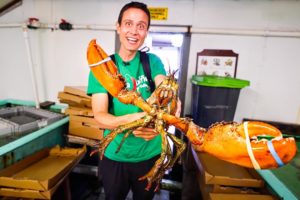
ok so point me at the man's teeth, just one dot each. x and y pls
(132, 39)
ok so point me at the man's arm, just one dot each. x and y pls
(158, 79)
(106, 120)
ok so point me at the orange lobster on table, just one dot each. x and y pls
(229, 141)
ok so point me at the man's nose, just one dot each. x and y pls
(134, 29)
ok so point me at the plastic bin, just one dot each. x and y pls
(27, 119)
(6, 128)
(215, 98)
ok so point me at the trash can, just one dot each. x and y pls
(215, 98)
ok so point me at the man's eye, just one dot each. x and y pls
(141, 26)
(128, 24)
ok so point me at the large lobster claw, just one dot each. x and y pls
(238, 143)
(104, 69)
(106, 72)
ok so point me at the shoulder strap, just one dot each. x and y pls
(112, 57)
(146, 66)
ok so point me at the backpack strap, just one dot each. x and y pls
(146, 66)
(113, 58)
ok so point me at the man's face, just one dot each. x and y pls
(133, 29)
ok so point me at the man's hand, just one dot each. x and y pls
(149, 133)
(145, 133)
(178, 110)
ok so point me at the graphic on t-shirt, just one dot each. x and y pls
(133, 84)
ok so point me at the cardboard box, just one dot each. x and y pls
(234, 190)
(79, 111)
(207, 189)
(86, 127)
(219, 172)
(32, 194)
(240, 196)
(42, 170)
(214, 188)
(77, 90)
(24, 193)
(74, 100)
(220, 180)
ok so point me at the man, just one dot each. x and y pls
(120, 171)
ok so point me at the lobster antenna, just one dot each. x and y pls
(168, 65)
(171, 73)
(175, 71)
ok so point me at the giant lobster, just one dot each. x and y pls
(229, 141)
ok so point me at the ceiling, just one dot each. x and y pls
(8, 5)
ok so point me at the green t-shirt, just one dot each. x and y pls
(134, 149)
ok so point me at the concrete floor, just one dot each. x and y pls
(162, 195)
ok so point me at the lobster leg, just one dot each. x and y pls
(180, 147)
(193, 132)
(123, 140)
(165, 162)
(157, 171)
(122, 128)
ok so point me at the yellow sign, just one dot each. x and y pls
(157, 13)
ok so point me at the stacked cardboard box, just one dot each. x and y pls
(82, 122)
(38, 176)
(220, 180)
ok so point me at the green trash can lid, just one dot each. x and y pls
(219, 81)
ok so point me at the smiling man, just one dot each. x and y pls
(120, 171)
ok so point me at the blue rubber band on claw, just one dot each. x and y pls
(274, 154)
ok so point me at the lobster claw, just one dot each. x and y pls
(104, 69)
(238, 143)
(106, 72)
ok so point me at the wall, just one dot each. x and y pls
(59, 57)
(270, 63)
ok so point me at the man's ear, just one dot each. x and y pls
(118, 28)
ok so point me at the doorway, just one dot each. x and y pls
(168, 47)
(173, 49)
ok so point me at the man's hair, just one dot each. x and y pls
(134, 4)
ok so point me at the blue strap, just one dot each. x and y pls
(274, 154)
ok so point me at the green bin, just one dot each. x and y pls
(215, 98)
